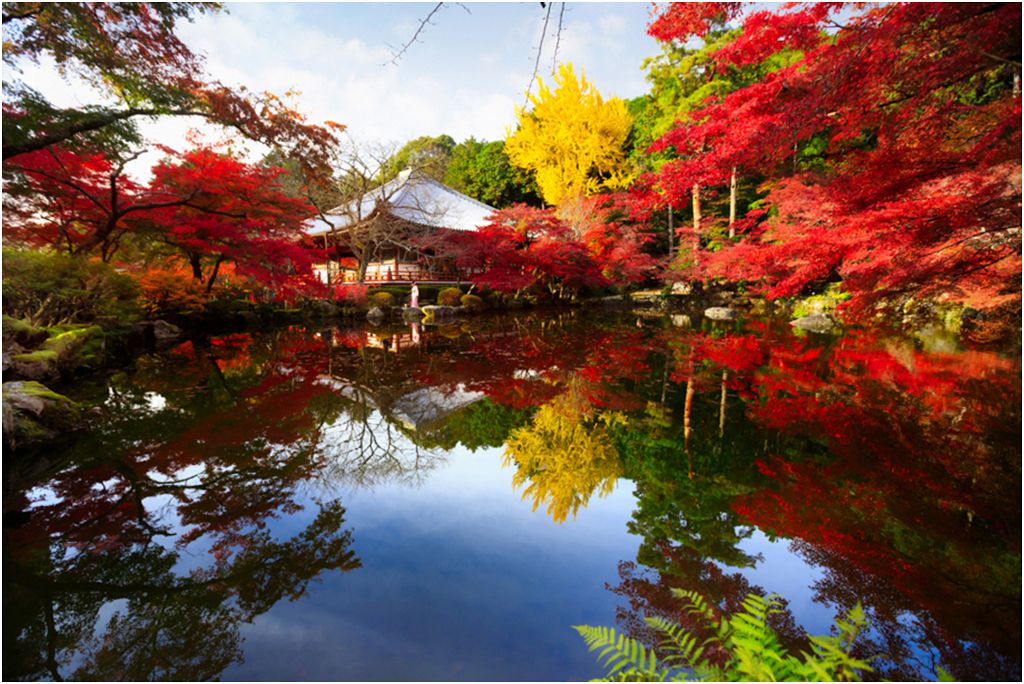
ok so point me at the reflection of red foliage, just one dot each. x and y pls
(918, 494)
(914, 511)
(650, 595)
(530, 366)
(232, 468)
(356, 339)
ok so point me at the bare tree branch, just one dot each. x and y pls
(558, 39)
(540, 50)
(397, 56)
(378, 210)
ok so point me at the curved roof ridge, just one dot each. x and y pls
(415, 197)
(449, 189)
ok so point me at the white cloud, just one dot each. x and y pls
(464, 76)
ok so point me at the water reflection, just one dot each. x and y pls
(893, 470)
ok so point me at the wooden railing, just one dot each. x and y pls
(401, 277)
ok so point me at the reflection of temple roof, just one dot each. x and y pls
(421, 408)
(415, 198)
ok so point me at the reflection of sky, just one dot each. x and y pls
(789, 576)
(460, 580)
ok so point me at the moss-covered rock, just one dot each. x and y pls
(38, 366)
(77, 347)
(21, 333)
(32, 412)
(473, 303)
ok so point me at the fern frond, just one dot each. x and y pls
(697, 605)
(754, 651)
(682, 646)
(622, 655)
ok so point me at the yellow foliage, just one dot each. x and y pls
(563, 458)
(572, 139)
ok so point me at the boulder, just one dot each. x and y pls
(375, 315)
(681, 321)
(19, 332)
(322, 307)
(159, 333)
(31, 412)
(37, 366)
(817, 322)
(721, 313)
(413, 313)
(436, 313)
(670, 304)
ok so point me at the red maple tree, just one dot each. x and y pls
(235, 213)
(523, 248)
(211, 206)
(892, 148)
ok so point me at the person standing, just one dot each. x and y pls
(414, 302)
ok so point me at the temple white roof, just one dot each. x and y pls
(413, 197)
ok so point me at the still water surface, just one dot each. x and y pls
(446, 503)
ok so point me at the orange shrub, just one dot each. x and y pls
(164, 291)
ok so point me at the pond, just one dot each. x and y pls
(446, 503)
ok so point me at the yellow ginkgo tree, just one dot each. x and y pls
(572, 139)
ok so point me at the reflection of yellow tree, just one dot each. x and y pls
(564, 456)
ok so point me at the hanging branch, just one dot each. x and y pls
(558, 40)
(540, 49)
(396, 56)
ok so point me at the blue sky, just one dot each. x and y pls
(464, 77)
(471, 65)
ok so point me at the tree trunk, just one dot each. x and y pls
(197, 266)
(687, 411)
(733, 184)
(213, 274)
(696, 224)
(363, 258)
(721, 406)
(671, 233)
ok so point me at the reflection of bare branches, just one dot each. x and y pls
(366, 449)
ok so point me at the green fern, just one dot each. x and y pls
(624, 656)
(754, 651)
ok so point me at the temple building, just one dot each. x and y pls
(391, 228)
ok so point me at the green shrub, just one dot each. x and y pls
(50, 289)
(753, 649)
(450, 296)
(384, 300)
(396, 291)
(472, 302)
